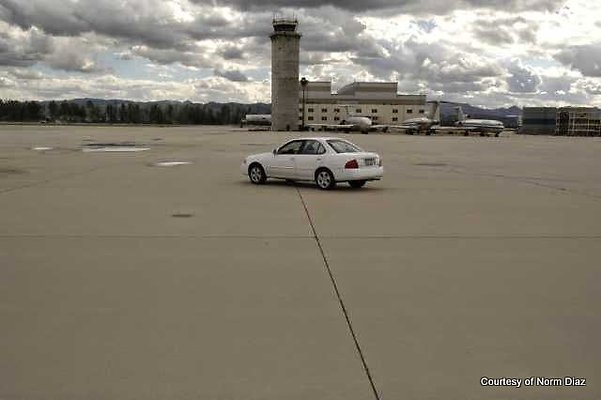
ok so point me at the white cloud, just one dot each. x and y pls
(523, 52)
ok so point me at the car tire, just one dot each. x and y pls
(357, 184)
(256, 174)
(325, 179)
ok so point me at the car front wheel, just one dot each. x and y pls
(325, 179)
(256, 173)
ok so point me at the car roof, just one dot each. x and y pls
(319, 138)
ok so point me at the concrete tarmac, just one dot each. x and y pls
(122, 279)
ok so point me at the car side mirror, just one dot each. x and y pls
(274, 151)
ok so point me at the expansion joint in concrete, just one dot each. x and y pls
(340, 301)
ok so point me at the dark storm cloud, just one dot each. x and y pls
(441, 66)
(585, 58)
(423, 6)
(23, 51)
(335, 31)
(522, 80)
(232, 53)
(232, 75)
(150, 22)
(557, 84)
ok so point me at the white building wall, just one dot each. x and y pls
(379, 101)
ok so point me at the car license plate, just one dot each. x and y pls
(370, 162)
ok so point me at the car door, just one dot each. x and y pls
(309, 159)
(284, 159)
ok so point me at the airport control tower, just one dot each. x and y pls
(285, 44)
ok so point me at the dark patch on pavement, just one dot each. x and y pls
(11, 171)
(182, 215)
(112, 144)
(431, 164)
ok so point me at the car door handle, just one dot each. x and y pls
(318, 158)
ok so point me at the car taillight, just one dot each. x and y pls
(353, 164)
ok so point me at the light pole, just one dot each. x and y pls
(304, 83)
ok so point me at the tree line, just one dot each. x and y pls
(126, 112)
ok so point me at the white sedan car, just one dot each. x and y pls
(326, 161)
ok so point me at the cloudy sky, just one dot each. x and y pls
(486, 52)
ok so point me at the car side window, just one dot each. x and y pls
(311, 147)
(321, 149)
(291, 148)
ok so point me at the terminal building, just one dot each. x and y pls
(376, 100)
(579, 121)
(539, 120)
(565, 121)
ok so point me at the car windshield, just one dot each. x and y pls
(340, 146)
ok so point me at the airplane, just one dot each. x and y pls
(256, 119)
(352, 122)
(483, 126)
(421, 124)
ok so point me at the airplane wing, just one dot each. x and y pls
(402, 127)
(328, 127)
(452, 128)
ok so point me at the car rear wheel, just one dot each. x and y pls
(256, 173)
(325, 179)
(357, 184)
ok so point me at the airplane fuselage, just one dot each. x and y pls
(483, 125)
(359, 123)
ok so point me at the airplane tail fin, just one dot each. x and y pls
(460, 114)
(434, 110)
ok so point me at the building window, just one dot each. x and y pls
(337, 110)
(374, 118)
(374, 110)
(324, 110)
(409, 111)
(394, 119)
(422, 111)
(310, 109)
(358, 110)
(324, 118)
(395, 111)
(336, 118)
(310, 118)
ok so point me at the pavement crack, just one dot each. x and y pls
(339, 297)
(526, 180)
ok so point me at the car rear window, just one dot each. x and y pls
(340, 146)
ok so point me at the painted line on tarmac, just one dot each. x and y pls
(339, 296)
